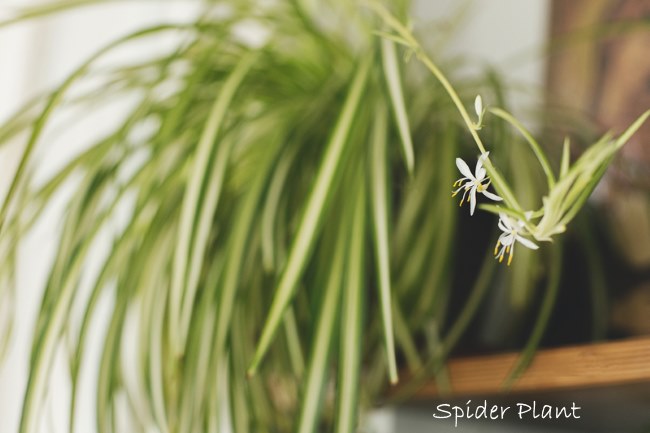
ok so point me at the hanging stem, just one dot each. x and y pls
(406, 38)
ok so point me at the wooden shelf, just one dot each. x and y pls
(610, 382)
(594, 365)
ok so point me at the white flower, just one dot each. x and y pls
(512, 233)
(473, 183)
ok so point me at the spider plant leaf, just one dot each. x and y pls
(120, 253)
(78, 351)
(154, 253)
(183, 398)
(430, 292)
(152, 323)
(109, 363)
(314, 209)
(392, 37)
(583, 188)
(393, 81)
(8, 301)
(293, 343)
(192, 235)
(196, 366)
(269, 214)
(155, 369)
(411, 209)
(419, 257)
(246, 218)
(239, 404)
(317, 371)
(627, 134)
(379, 195)
(405, 339)
(82, 225)
(20, 120)
(45, 344)
(197, 361)
(352, 314)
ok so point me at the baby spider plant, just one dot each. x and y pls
(567, 193)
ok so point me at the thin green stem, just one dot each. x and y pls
(537, 149)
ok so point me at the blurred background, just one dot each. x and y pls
(509, 35)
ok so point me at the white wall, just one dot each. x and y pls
(506, 34)
(36, 56)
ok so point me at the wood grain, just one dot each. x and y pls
(594, 365)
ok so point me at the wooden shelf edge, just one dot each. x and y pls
(591, 365)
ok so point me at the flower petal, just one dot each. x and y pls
(472, 201)
(464, 169)
(507, 240)
(491, 196)
(481, 161)
(525, 242)
(506, 222)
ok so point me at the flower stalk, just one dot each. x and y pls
(566, 194)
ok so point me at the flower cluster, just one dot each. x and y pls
(513, 232)
(470, 183)
(567, 191)
(478, 182)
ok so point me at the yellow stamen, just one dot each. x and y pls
(507, 249)
(501, 258)
(510, 259)
(496, 249)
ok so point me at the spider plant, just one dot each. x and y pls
(272, 224)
